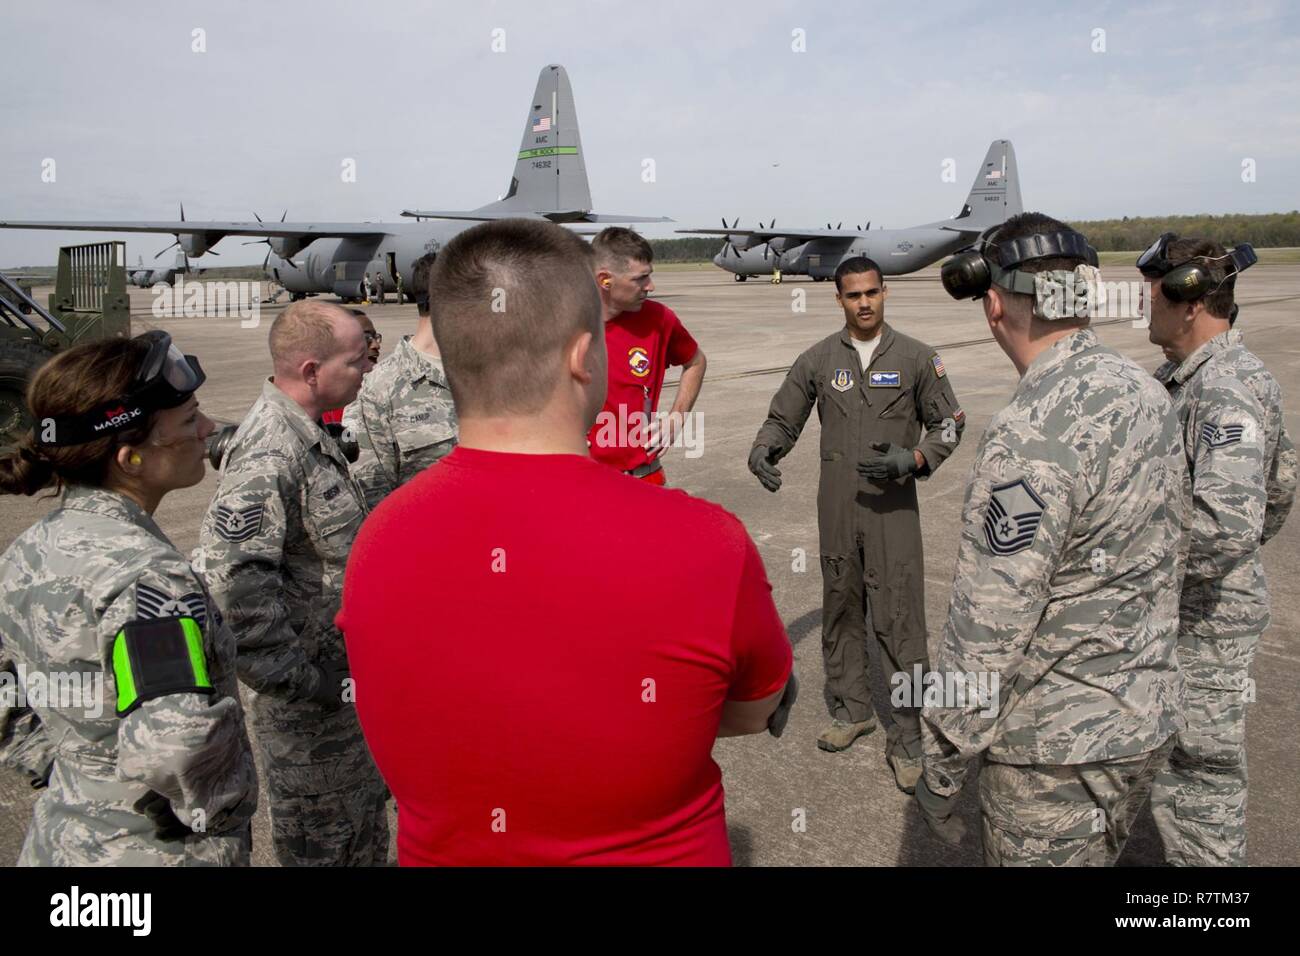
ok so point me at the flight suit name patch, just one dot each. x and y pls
(842, 380)
(885, 380)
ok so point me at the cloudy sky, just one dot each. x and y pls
(857, 125)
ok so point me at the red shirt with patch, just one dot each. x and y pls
(541, 663)
(641, 346)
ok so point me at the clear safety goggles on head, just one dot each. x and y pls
(165, 379)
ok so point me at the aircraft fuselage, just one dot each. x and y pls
(338, 265)
(896, 251)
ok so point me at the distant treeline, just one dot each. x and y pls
(1133, 235)
(1106, 235)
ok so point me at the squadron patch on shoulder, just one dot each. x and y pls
(1012, 518)
(842, 380)
(938, 366)
(1220, 436)
(151, 603)
(885, 380)
(239, 524)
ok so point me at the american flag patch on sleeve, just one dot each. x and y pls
(938, 366)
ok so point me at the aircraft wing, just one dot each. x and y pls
(306, 230)
(488, 216)
(760, 236)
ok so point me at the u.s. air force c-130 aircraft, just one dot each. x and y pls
(994, 197)
(549, 182)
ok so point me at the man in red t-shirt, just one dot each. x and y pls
(523, 692)
(642, 338)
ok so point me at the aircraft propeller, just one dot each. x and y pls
(269, 248)
(767, 246)
(184, 255)
(727, 244)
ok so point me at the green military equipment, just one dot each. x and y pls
(89, 302)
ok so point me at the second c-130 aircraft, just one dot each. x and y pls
(549, 182)
(994, 198)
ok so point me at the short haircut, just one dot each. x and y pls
(615, 247)
(1027, 224)
(306, 329)
(505, 299)
(854, 266)
(420, 281)
(1201, 252)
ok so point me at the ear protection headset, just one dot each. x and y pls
(1190, 280)
(971, 273)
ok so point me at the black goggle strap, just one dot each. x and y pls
(1013, 280)
(1044, 245)
(108, 419)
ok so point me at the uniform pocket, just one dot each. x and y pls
(1200, 810)
(899, 406)
(332, 515)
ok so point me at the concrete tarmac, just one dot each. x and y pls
(789, 803)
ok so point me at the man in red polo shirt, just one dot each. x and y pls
(522, 689)
(642, 338)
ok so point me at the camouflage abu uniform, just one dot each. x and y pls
(403, 420)
(24, 745)
(870, 531)
(1065, 588)
(274, 544)
(1242, 467)
(72, 583)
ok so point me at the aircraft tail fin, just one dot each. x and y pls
(995, 195)
(550, 174)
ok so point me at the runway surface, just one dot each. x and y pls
(751, 332)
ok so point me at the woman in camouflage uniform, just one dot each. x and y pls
(119, 651)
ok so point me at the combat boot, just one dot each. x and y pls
(841, 733)
(907, 770)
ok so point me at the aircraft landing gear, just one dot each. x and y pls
(740, 278)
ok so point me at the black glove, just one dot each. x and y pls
(763, 465)
(937, 813)
(166, 825)
(894, 462)
(329, 693)
(776, 723)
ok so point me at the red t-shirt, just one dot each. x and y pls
(542, 648)
(333, 416)
(641, 346)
